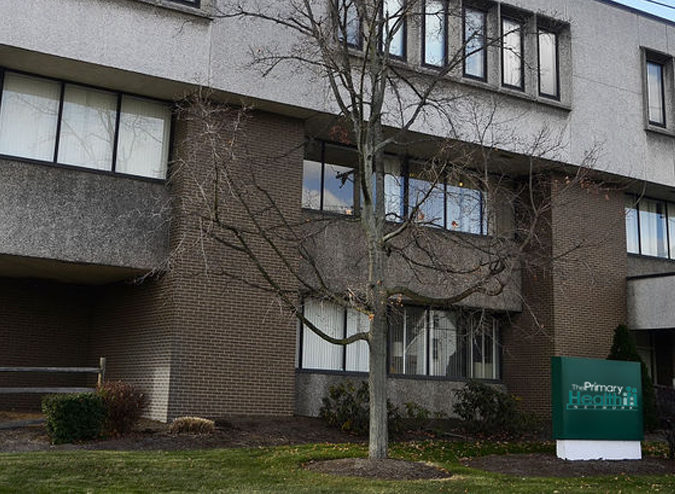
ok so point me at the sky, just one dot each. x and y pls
(661, 8)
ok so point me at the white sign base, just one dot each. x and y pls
(577, 449)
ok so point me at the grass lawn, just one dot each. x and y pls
(278, 470)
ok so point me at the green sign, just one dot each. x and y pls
(596, 399)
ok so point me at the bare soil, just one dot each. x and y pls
(378, 469)
(548, 465)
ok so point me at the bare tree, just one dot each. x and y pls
(381, 105)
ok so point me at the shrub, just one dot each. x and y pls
(624, 348)
(488, 410)
(347, 407)
(192, 425)
(73, 417)
(124, 406)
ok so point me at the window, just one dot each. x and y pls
(435, 33)
(422, 342)
(69, 124)
(328, 178)
(512, 54)
(394, 26)
(650, 227)
(656, 93)
(475, 56)
(548, 64)
(427, 342)
(192, 3)
(329, 184)
(338, 322)
(348, 24)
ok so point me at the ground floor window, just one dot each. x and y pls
(422, 342)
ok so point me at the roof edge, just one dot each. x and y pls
(637, 11)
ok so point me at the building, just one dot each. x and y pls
(88, 139)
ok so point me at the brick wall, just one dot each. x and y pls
(131, 326)
(233, 347)
(573, 302)
(42, 324)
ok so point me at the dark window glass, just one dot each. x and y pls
(474, 43)
(655, 90)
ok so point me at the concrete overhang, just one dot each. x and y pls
(650, 301)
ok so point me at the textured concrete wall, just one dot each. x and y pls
(434, 395)
(77, 216)
(339, 253)
(121, 42)
(650, 302)
(641, 265)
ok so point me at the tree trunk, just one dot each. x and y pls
(377, 380)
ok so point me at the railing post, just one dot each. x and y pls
(101, 371)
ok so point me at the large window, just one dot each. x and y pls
(393, 12)
(338, 322)
(329, 184)
(475, 31)
(656, 93)
(69, 124)
(422, 342)
(427, 342)
(548, 64)
(435, 32)
(512, 54)
(650, 227)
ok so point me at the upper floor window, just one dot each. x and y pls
(192, 3)
(393, 12)
(435, 32)
(59, 122)
(328, 178)
(512, 54)
(329, 184)
(656, 93)
(475, 32)
(650, 227)
(548, 64)
(348, 23)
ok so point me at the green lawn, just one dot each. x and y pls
(278, 470)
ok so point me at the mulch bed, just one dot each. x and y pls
(547, 465)
(278, 431)
(378, 469)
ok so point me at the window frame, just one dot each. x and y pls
(662, 82)
(667, 220)
(484, 14)
(359, 44)
(119, 95)
(556, 34)
(190, 3)
(444, 62)
(403, 32)
(521, 24)
(464, 315)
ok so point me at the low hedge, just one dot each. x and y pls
(73, 417)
